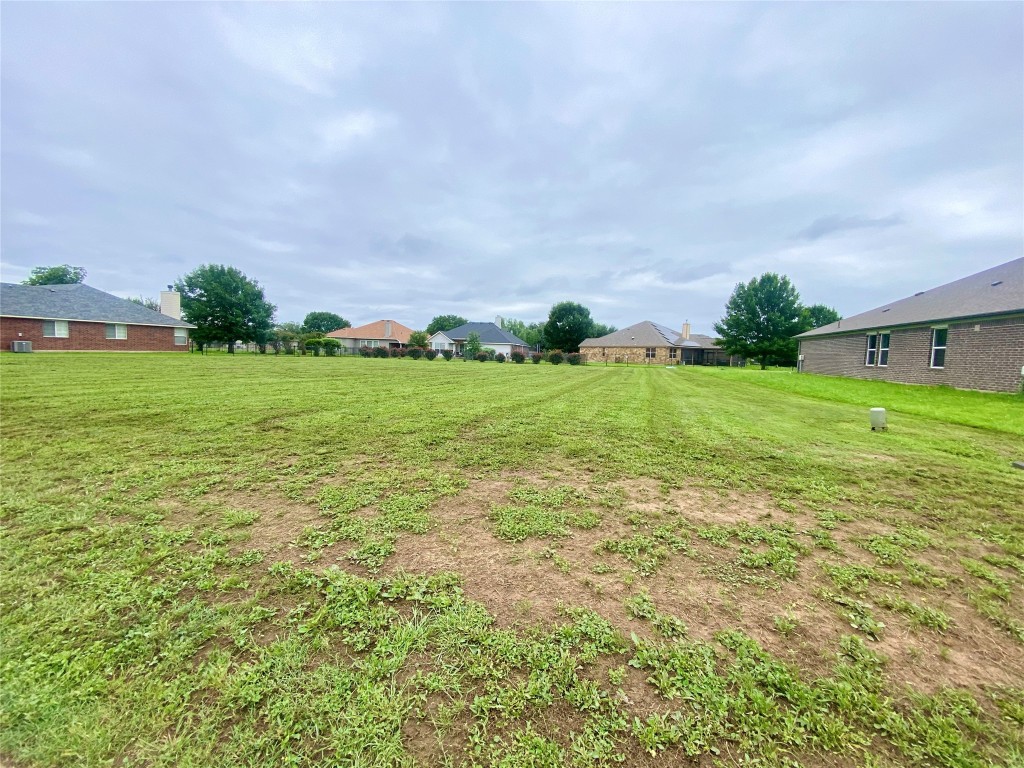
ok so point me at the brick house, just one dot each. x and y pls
(382, 333)
(653, 344)
(967, 334)
(77, 317)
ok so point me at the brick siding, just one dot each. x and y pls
(91, 337)
(662, 356)
(980, 354)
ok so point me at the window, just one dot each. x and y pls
(883, 350)
(651, 352)
(939, 347)
(672, 353)
(180, 336)
(117, 331)
(372, 343)
(55, 329)
(872, 354)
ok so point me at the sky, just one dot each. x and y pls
(409, 160)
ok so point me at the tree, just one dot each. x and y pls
(816, 316)
(65, 274)
(445, 323)
(568, 324)
(472, 347)
(418, 339)
(761, 318)
(225, 306)
(145, 301)
(324, 322)
(531, 333)
(597, 330)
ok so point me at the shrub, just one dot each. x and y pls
(536, 357)
(489, 351)
(430, 354)
(365, 351)
(499, 358)
(395, 351)
(574, 358)
(517, 357)
(447, 354)
(315, 345)
(380, 351)
(331, 347)
(555, 357)
(416, 353)
(482, 356)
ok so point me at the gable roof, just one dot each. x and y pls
(77, 301)
(375, 330)
(489, 334)
(994, 291)
(648, 334)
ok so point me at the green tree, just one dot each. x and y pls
(145, 301)
(324, 322)
(65, 274)
(531, 333)
(418, 339)
(816, 316)
(225, 306)
(598, 329)
(568, 324)
(472, 347)
(445, 323)
(761, 318)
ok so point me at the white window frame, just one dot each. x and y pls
(652, 353)
(673, 353)
(871, 355)
(115, 331)
(60, 329)
(884, 342)
(180, 337)
(935, 347)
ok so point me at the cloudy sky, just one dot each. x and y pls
(408, 160)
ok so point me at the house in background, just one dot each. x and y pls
(78, 317)
(382, 333)
(967, 334)
(491, 335)
(655, 344)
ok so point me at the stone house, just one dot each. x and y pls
(648, 343)
(78, 317)
(967, 334)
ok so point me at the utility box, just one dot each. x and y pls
(877, 419)
(21, 346)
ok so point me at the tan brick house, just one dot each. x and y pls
(967, 334)
(78, 317)
(648, 343)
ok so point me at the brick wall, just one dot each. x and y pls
(91, 337)
(980, 354)
(662, 355)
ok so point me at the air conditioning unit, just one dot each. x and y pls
(21, 346)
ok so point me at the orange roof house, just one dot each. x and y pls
(382, 333)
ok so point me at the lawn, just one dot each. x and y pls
(265, 561)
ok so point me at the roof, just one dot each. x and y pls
(375, 330)
(77, 301)
(995, 291)
(648, 334)
(489, 333)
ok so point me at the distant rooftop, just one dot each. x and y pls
(77, 301)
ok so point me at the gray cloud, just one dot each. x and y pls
(829, 225)
(495, 159)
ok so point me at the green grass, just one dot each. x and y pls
(219, 561)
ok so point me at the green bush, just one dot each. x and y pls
(416, 353)
(380, 351)
(555, 357)
(536, 357)
(499, 358)
(482, 356)
(518, 357)
(331, 347)
(447, 354)
(430, 354)
(314, 345)
(365, 351)
(574, 358)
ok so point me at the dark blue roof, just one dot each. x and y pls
(489, 334)
(77, 302)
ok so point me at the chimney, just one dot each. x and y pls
(499, 321)
(686, 330)
(170, 304)
(387, 329)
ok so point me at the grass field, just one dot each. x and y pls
(260, 561)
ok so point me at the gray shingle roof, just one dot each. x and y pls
(995, 291)
(77, 302)
(489, 334)
(648, 334)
